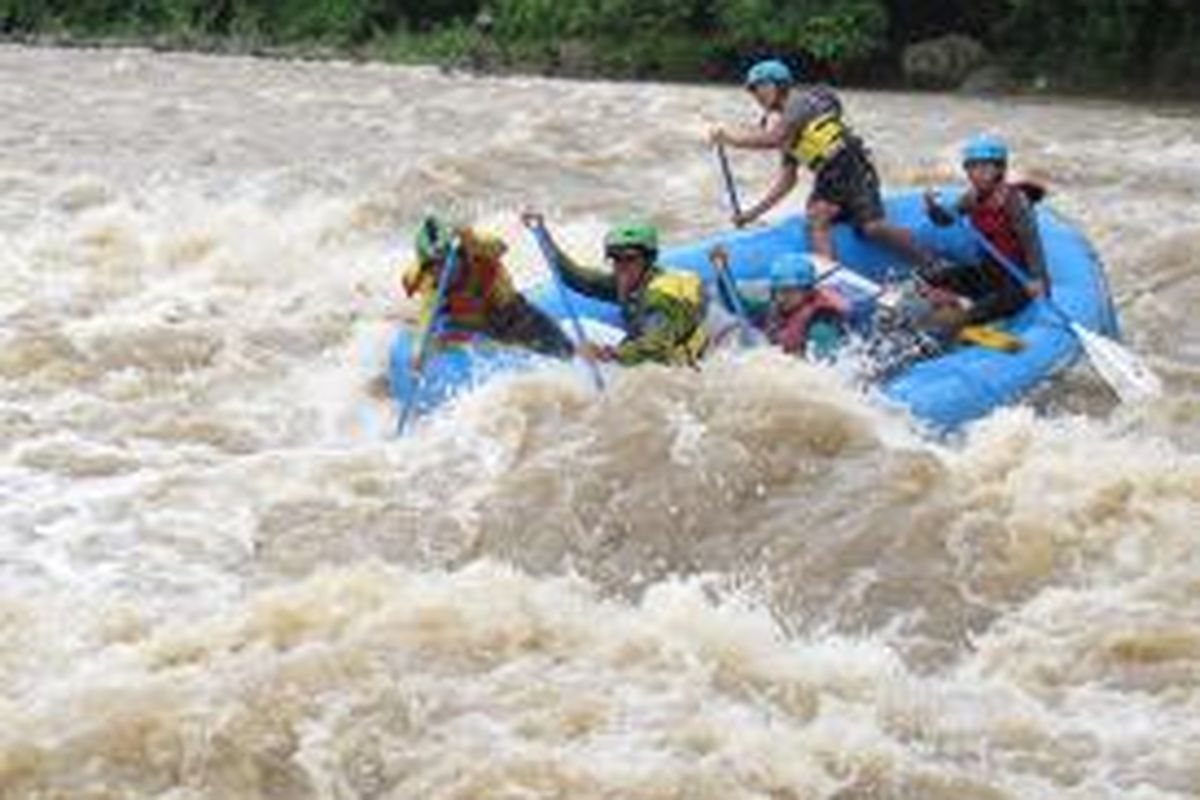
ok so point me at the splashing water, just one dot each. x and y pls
(219, 577)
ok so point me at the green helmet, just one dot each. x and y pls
(632, 233)
(433, 238)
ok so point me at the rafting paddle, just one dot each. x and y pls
(724, 278)
(547, 247)
(418, 362)
(1126, 374)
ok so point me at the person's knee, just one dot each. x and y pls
(820, 216)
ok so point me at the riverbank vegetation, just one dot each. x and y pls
(1106, 45)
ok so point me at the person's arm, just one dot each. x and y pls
(940, 215)
(785, 181)
(1021, 212)
(773, 134)
(585, 280)
(937, 213)
(422, 284)
(415, 279)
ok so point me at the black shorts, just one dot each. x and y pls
(849, 181)
(989, 288)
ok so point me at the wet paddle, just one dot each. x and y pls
(544, 244)
(1126, 374)
(723, 277)
(418, 362)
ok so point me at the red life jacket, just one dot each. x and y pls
(791, 331)
(990, 217)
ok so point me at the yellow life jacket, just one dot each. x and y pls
(687, 288)
(820, 139)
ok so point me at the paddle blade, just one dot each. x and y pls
(1129, 376)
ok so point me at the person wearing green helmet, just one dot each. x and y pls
(801, 316)
(481, 297)
(662, 310)
(1003, 214)
(808, 127)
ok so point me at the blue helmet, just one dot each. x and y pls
(985, 147)
(793, 271)
(770, 71)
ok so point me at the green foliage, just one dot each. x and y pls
(599, 19)
(1107, 40)
(830, 31)
(450, 44)
(837, 30)
(533, 20)
(1093, 42)
(321, 20)
(23, 15)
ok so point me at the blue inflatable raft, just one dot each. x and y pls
(945, 391)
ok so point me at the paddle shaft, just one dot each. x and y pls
(548, 253)
(727, 176)
(722, 275)
(1015, 272)
(1123, 371)
(418, 367)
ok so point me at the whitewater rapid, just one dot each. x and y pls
(221, 577)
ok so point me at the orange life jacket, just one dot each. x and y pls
(469, 295)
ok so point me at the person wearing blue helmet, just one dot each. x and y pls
(808, 127)
(1003, 213)
(801, 317)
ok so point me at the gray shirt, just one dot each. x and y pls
(802, 109)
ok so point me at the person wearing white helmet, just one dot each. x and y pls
(1003, 214)
(808, 127)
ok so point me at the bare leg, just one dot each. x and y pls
(898, 239)
(820, 216)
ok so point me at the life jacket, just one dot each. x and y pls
(825, 135)
(472, 294)
(990, 217)
(790, 332)
(820, 140)
(688, 289)
(469, 294)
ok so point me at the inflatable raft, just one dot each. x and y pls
(945, 391)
